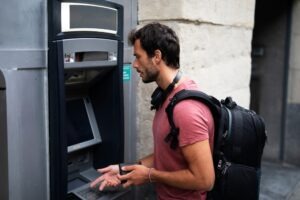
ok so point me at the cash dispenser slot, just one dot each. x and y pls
(89, 53)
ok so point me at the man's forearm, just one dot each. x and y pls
(147, 161)
(183, 179)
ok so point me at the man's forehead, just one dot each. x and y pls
(137, 48)
(137, 43)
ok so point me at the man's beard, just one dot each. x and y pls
(150, 76)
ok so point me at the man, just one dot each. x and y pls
(185, 172)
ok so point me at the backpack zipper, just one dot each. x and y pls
(226, 167)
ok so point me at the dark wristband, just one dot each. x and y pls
(122, 172)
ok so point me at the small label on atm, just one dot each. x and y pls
(126, 72)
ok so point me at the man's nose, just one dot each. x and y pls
(135, 64)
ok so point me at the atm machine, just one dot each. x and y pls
(61, 98)
(86, 119)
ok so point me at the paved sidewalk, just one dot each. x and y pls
(279, 182)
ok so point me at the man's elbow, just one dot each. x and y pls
(210, 185)
(206, 184)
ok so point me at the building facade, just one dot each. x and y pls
(215, 39)
(243, 49)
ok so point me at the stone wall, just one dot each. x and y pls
(294, 71)
(215, 38)
(292, 136)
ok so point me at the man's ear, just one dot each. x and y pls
(157, 56)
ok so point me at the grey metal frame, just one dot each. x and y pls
(130, 19)
(95, 130)
(23, 55)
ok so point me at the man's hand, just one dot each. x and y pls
(137, 175)
(108, 178)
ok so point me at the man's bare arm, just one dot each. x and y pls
(198, 176)
(200, 173)
(147, 161)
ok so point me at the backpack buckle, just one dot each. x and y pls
(228, 102)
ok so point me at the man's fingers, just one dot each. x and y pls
(115, 181)
(107, 181)
(128, 168)
(124, 177)
(97, 181)
(110, 168)
(102, 185)
(127, 184)
(104, 170)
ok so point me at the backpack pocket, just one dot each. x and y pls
(240, 182)
(246, 141)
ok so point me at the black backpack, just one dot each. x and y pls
(239, 141)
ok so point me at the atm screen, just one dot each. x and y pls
(88, 17)
(80, 124)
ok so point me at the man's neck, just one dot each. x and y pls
(166, 77)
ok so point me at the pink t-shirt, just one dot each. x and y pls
(195, 122)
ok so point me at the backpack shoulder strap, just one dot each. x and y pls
(213, 104)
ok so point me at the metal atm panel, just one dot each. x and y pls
(85, 86)
(87, 62)
(24, 136)
(24, 153)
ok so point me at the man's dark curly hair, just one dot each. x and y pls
(155, 36)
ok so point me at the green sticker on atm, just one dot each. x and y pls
(126, 72)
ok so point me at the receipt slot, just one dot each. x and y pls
(86, 123)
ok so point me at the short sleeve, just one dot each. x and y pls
(193, 119)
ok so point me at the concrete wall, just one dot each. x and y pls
(215, 38)
(269, 64)
(294, 71)
(292, 136)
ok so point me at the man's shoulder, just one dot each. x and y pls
(191, 106)
(188, 84)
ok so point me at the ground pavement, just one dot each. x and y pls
(279, 182)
